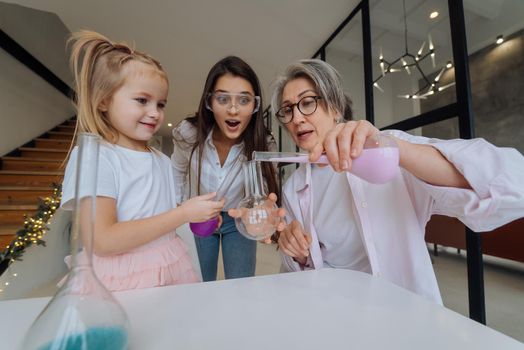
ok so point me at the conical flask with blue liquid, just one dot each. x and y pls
(83, 314)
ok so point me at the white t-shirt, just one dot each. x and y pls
(338, 235)
(141, 182)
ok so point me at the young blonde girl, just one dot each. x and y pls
(122, 94)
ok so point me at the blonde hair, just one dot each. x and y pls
(98, 68)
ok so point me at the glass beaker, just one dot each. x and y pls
(379, 161)
(258, 219)
(83, 314)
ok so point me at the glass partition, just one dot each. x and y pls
(412, 59)
(345, 54)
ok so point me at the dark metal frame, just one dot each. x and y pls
(368, 61)
(477, 307)
(278, 114)
(24, 57)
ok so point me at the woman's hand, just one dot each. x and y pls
(295, 242)
(202, 208)
(344, 143)
(277, 214)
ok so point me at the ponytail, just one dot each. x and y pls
(97, 64)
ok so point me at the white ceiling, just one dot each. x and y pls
(189, 36)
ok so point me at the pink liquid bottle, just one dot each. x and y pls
(377, 164)
(208, 227)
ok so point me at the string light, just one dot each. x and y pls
(34, 228)
(500, 39)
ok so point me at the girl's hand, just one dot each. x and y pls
(202, 208)
(295, 242)
(344, 143)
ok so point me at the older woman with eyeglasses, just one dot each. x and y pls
(335, 219)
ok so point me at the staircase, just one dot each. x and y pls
(27, 174)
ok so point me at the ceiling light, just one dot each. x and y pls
(500, 39)
(409, 63)
(169, 124)
(433, 14)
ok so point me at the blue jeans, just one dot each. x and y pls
(238, 253)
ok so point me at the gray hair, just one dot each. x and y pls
(325, 79)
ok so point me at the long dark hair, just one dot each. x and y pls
(255, 135)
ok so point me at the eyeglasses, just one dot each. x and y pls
(306, 105)
(224, 100)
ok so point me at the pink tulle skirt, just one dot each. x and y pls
(151, 266)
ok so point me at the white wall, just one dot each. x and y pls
(352, 71)
(42, 34)
(30, 106)
(40, 267)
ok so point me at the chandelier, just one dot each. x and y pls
(409, 61)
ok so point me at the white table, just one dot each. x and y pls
(326, 309)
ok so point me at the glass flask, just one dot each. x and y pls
(82, 314)
(258, 219)
(208, 227)
(378, 163)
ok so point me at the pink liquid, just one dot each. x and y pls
(374, 165)
(299, 159)
(204, 229)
